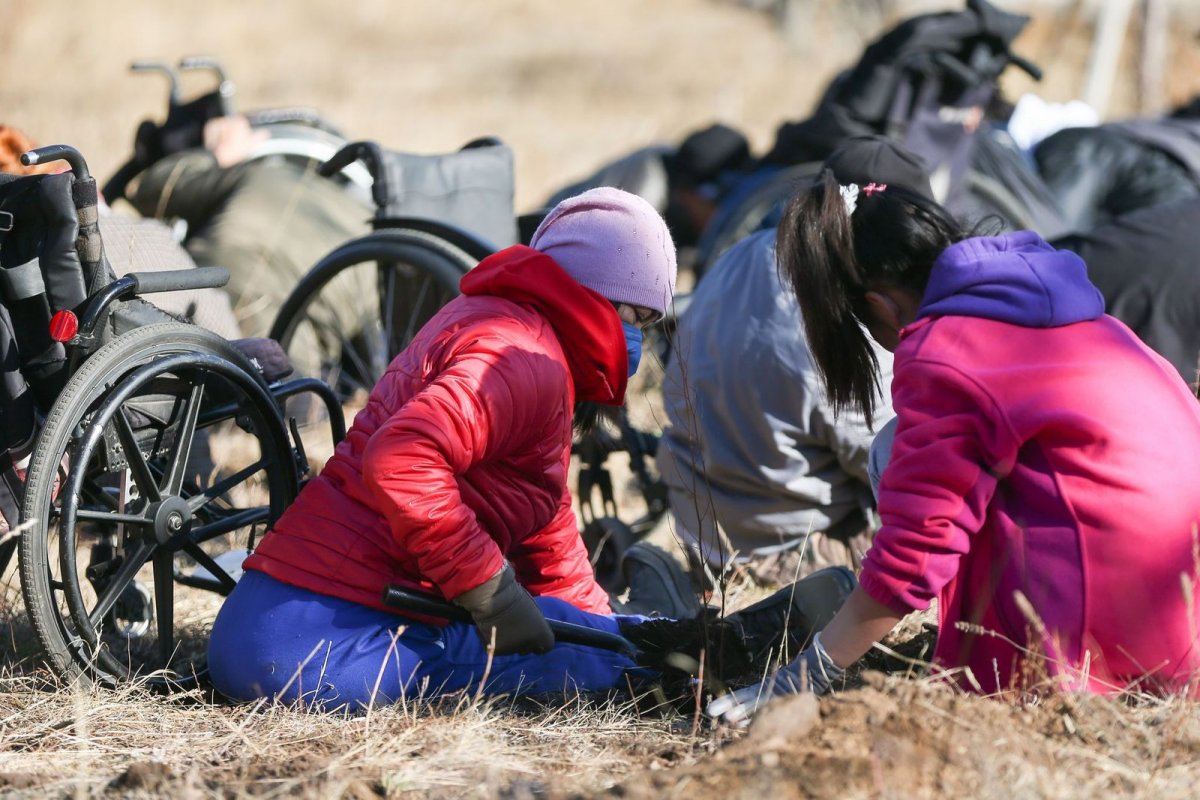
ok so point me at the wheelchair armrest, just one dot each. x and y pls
(178, 280)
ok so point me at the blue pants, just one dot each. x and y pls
(286, 643)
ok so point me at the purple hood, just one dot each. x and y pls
(1015, 278)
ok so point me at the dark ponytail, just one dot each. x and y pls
(830, 258)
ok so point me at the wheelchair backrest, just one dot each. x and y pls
(40, 272)
(470, 188)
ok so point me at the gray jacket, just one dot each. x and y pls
(751, 440)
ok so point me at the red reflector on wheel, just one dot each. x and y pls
(63, 326)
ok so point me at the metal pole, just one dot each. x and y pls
(1106, 53)
(1152, 64)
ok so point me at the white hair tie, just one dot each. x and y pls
(849, 197)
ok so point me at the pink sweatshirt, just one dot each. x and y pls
(1042, 452)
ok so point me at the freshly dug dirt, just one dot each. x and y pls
(905, 738)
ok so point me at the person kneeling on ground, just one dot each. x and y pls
(764, 477)
(453, 480)
(1041, 481)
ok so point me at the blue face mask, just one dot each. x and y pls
(633, 345)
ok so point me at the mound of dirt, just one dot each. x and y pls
(904, 738)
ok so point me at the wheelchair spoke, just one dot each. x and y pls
(183, 441)
(230, 523)
(137, 464)
(225, 484)
(207, 561)
(96, 494)
(364, 369)
(164, 602)
(129, 568)
(389, 307)
(415, 319)
(111, 517)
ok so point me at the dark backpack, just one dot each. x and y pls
(922, 83)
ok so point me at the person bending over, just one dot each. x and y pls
(764, 477)
(453, 480)
(1041, 484)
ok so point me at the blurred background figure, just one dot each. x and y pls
(1099, 173)
(1144, 262)
(266, 220)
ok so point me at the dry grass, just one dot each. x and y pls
(84, 742)
(892, 737)
(899, 736)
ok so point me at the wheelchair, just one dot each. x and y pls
(161, 449)
(296, 134)
(925, 83)
(436, 216)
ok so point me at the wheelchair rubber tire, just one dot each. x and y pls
(97, 378)
(438, 261)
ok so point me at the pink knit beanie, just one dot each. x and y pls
(614, 243)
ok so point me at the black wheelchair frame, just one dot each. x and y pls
(296, 133)
(131, 528)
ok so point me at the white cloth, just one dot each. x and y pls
(1033, 119)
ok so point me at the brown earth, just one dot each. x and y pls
(906, 738)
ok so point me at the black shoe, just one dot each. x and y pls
(658, 585)
(779, 627)
(747, 643)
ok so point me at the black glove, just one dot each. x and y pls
(502, 605)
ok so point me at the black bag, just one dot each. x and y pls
(919, 83)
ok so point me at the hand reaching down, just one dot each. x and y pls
(811, 671)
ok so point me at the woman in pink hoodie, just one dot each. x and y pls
(1043, 481)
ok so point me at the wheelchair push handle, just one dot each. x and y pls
(225, 87)
(86, 200)
(58, 152)
(179, 280)
(404, 599)
(371, 154)
(166, 71)
(1025, 65)
(207, 63)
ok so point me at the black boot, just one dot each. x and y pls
(779, 627)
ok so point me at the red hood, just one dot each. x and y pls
(586, 324)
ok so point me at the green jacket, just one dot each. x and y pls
(267, 221)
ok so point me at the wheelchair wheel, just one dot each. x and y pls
(307, 146)
(364, 302)
(159, 464)
(607, 539)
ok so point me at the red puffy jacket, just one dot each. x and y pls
(459, 459)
